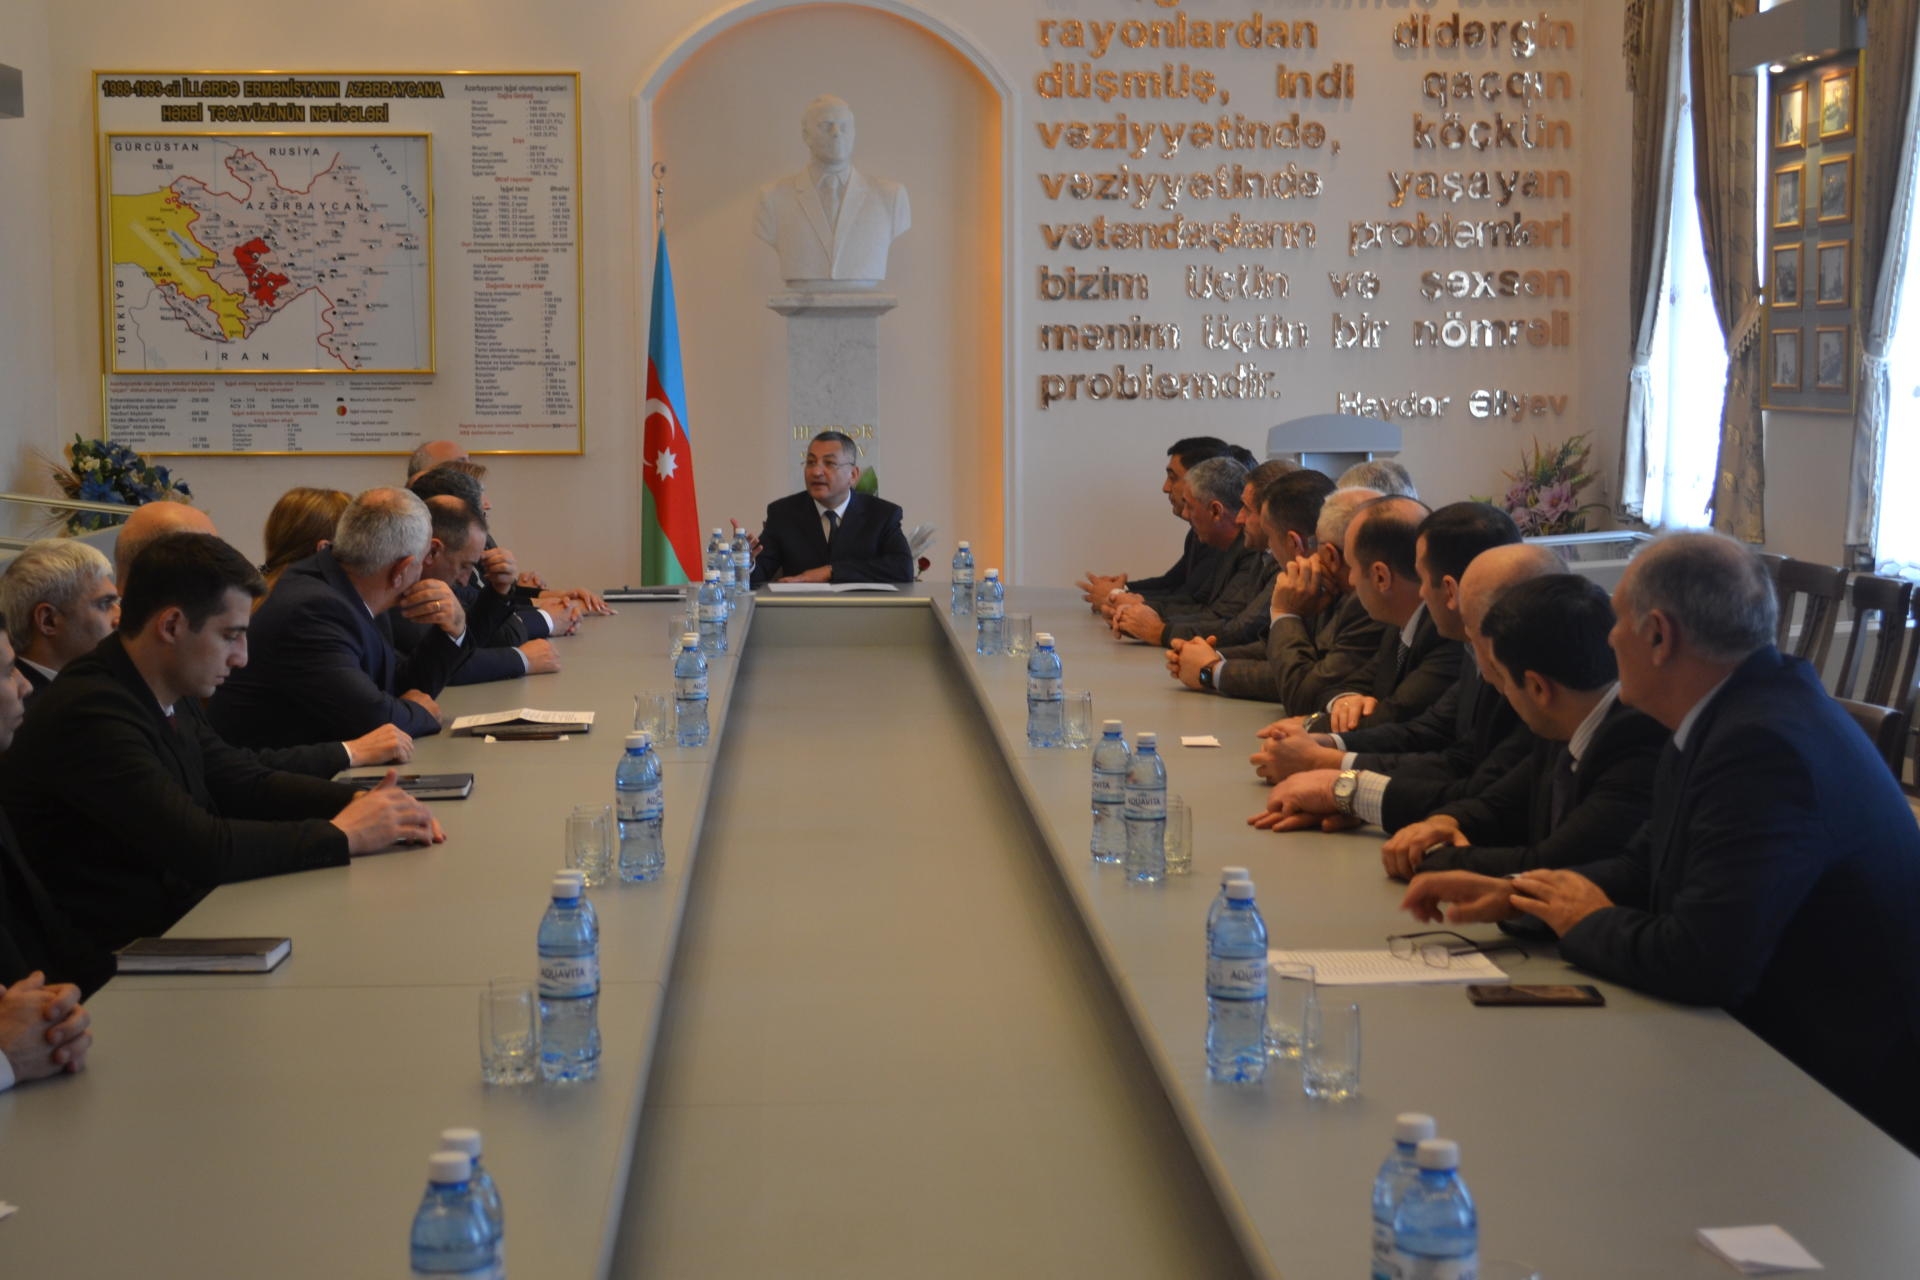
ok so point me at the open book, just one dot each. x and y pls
(525, 722)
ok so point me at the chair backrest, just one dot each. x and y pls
(1884, 603)
(1818, 589)
(1885, 727)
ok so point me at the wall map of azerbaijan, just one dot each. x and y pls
(269, 255)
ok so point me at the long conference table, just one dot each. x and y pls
(884, 1015)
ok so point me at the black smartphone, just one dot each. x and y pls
(1543, 994)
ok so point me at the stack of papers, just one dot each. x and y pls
(523, 719)
(805, 588)
(1384, 969)
(1758, 1251)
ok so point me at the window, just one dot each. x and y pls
(1896, 537)
(1689, 366)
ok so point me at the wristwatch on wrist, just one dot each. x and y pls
(1344, 788)
(1206, 677)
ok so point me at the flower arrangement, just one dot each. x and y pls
(98, 471)
(1543, 496)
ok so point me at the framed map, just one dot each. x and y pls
(270, 253)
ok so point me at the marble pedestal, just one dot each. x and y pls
(833, 367)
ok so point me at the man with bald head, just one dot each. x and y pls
(1778, 873)
(1399, 772)
(323, 664)
(432, 454)
(149, 522)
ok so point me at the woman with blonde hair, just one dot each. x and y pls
(300, 524)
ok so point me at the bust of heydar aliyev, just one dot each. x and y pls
(830, 223)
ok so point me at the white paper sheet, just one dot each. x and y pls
(1384, 969)
(808, 588)
(521, 713)
(1758, 1251)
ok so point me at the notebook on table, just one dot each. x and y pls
(202, 955)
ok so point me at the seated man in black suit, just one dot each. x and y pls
(129, 806)
(1318, 632)
(1215, 494)
(1582, 792)
(1238, 609)
(323, 665)
(1466, 555)
(43, 1029)
(495, 637)
(1778, 873)
(59, 600)
(831, 532)
(1183, 455)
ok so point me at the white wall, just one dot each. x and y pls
(1085, 480)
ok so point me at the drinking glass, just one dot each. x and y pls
(1290, 994)
(1330, 1061)
(1079, 719)
(1019, 635)
(678, 626)
(1179, 839)
(653, 713)
(509, 1032)
(590, 842)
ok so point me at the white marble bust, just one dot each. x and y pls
(830, 223)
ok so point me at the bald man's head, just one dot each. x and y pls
(150, 522)
(1497, 568)
(432, 454)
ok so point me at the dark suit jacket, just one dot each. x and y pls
(1466, 741)
(1239, 611)
(1210, 578)
(129, 821)
(35, 681)
(867, 547)
(36, 934)
(1405, 690)
(494, 628)
(1306, 658)
(1194, 556)
(1777, 877)
(1511, 822)
(321, 668)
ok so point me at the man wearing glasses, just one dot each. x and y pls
(831, 533)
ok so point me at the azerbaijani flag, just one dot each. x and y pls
(669, 513)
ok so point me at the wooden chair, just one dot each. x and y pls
(1907, 691)
(1884, 603)
(1817, 590)
(1885, 727)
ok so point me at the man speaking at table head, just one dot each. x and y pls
(831, 533)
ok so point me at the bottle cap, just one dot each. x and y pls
(1146, 738)
(965, 545)
(993, 573)
(446, 1167)
(718, 530)
(1410, 1128)
(1240, 891)
(1112, 727)
(567, 885)
(640, 738)
(464, 1140)
(713, 575)
(1439, 1154)
(690, 639)
(1043, 639)
(1229, 874)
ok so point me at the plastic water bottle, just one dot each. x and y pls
(1397, 1172)
(742, 557)
(1436, 1233)
(1237, 991)
(639, 807)
(1110, 761)
(690, 693)
(990, 617)
(1046, 696)
(713, 613)
(450, 1232)
(1227, 876)
(718, 558)
(1146, 812)
(963, 580)
(467, 1143)
(569, 984)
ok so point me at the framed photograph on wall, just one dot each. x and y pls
(1783, 360)
(1787, 203)
(1833, 274)
(1836, 189)
(1831, 366)
(1790, 117)
(1836, 104)
(1783, 281)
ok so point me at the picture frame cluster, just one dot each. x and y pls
(1810, 289)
